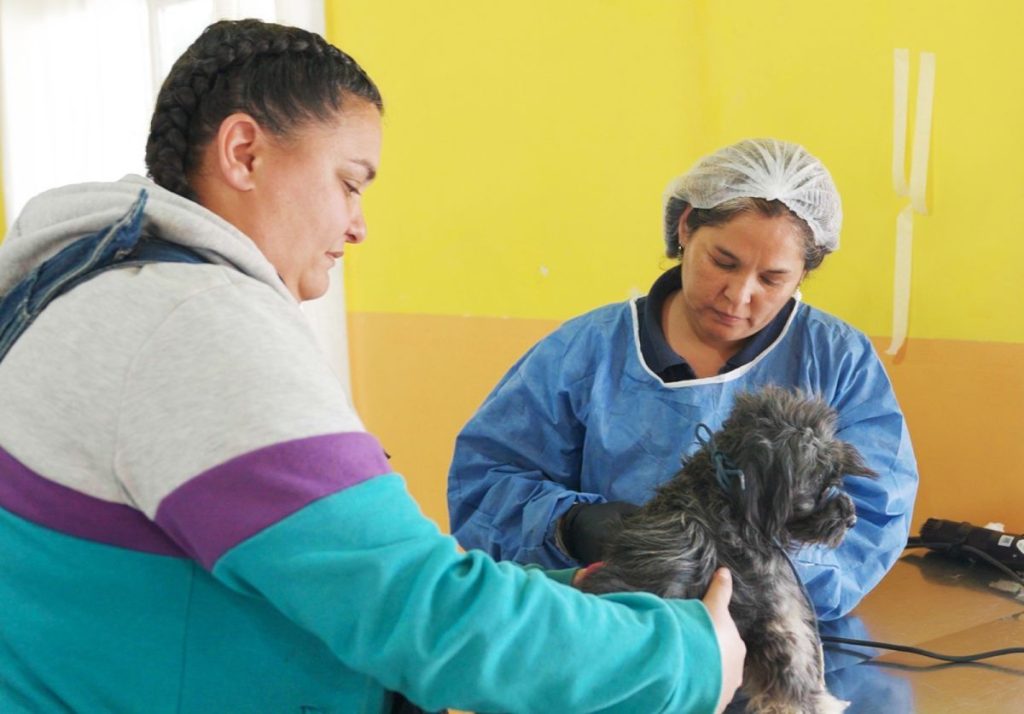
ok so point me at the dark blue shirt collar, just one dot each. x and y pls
(663, 360)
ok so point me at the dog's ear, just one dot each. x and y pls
(767, 500)
(852, 463)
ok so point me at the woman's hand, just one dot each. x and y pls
(580, 575)
(731, 647)
(586, 528)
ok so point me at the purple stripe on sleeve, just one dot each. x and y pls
(229, 503)
(37, 499)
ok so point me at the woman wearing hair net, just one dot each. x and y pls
(594, 417)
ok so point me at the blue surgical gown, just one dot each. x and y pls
(582, 418)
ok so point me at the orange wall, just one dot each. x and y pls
(418, 378)
(964, 403)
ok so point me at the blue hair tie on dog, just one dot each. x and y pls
(725, 470)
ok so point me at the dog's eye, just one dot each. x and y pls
(829, 494)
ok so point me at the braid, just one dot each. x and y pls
(281, 76)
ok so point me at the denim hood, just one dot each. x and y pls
(55, 218)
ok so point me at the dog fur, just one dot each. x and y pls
(793, 464)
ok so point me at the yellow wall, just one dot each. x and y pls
(526, 148)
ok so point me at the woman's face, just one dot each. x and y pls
(737, 276)
(310, 201)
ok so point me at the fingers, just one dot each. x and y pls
(719, 591)
(583, 573)
(730, 645)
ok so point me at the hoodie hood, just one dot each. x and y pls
(55, 218)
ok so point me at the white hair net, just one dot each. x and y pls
(760, 168)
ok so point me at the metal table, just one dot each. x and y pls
(943, 605)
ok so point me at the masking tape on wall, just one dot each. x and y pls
(900, 94)
(901, 279)
(918, 176)
(922, 131)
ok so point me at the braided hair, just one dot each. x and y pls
(281, 76)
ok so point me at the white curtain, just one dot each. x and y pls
(78, 79)
(77, 93)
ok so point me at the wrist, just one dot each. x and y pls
(560, 527)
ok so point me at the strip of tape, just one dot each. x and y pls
(901, 279)
(900, 99)
(922, 131)
(917, 189)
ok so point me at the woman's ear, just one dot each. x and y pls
(236, 148)
(682, 232)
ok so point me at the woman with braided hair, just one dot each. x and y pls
(193, 518)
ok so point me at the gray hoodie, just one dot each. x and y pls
(193, 518)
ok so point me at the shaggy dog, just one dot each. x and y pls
(768, 482)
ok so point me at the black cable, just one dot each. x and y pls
(916, 542)
(953, 548)
(924, 653)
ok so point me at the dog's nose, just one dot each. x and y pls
(851, 520)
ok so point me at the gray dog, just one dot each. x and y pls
(767, 482)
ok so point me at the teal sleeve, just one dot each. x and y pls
(394, 599)
(563, 576)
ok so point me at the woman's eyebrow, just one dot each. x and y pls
(371, 172)
(773, 271)
(725, 253)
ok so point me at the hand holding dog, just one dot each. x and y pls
(731, 647)
(587, 527)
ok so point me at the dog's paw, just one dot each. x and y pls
(825, 703)
(769, 705)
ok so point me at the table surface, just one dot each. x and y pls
(940, 604)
